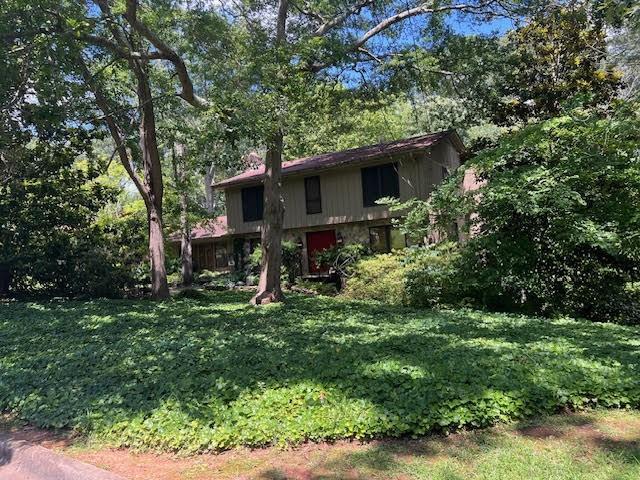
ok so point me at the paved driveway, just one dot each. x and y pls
(19, 460)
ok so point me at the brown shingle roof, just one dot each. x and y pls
(334, 159)
(211, 228)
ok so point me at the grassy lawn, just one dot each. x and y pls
(214, 373)
(591, 445)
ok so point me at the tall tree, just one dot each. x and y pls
(120, 47)
(558, 55)
(180, 172)
(48, 199)
(292, 44)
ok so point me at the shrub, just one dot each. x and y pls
(174, 278)
(342, 259)
(556, 224)
(204, 276)
(380, 277)
(431, 275)
(319, 288)
(291, 258)
(420, 276)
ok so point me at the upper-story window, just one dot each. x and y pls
(378, 182)
(252, 203)
(312, 195)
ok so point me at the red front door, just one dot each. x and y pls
(316, 242)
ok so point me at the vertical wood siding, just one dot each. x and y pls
(341, 191)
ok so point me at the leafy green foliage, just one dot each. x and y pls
(291, 258)
(560, 54)
(379, 277)
(341, 259)
(124, 233)
(197, 375)
(49, 196)
(432, 275)
(557, 225)
(317, 287)
(417, 276)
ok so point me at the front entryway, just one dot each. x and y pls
(317, 242)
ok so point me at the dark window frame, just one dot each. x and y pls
(378, 182)
(252, 212)
(313, 205)
(387, 234)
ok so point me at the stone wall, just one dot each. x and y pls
(346, 233)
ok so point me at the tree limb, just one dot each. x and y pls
(422, 9)
(120, 51)
(341, 18)
(281, 25)
(167, 53)
(114, 130)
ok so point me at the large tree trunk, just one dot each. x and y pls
(159, 286)
(153, 183)
(180, 178)
(269, 289)
(186, 251)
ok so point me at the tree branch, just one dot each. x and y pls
(281, 25)
(114, 130)
(422, 9)
(341, 18)
(167, 53)
(120, 51)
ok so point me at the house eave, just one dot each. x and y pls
(450, 135)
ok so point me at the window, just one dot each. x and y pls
(221, 255)
(386, 238)
(252, 203)
(312, 195)
(378, 182)
(444, 172)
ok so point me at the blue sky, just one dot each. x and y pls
(466, 26)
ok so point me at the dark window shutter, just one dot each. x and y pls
(312, 195)
(259, 202)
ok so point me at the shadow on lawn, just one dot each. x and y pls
(86, 363)
(397, 458)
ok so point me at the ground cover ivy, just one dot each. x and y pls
(209, 374)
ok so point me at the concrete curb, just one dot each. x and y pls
(20, 460)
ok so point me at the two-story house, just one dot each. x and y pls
(329, 199)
